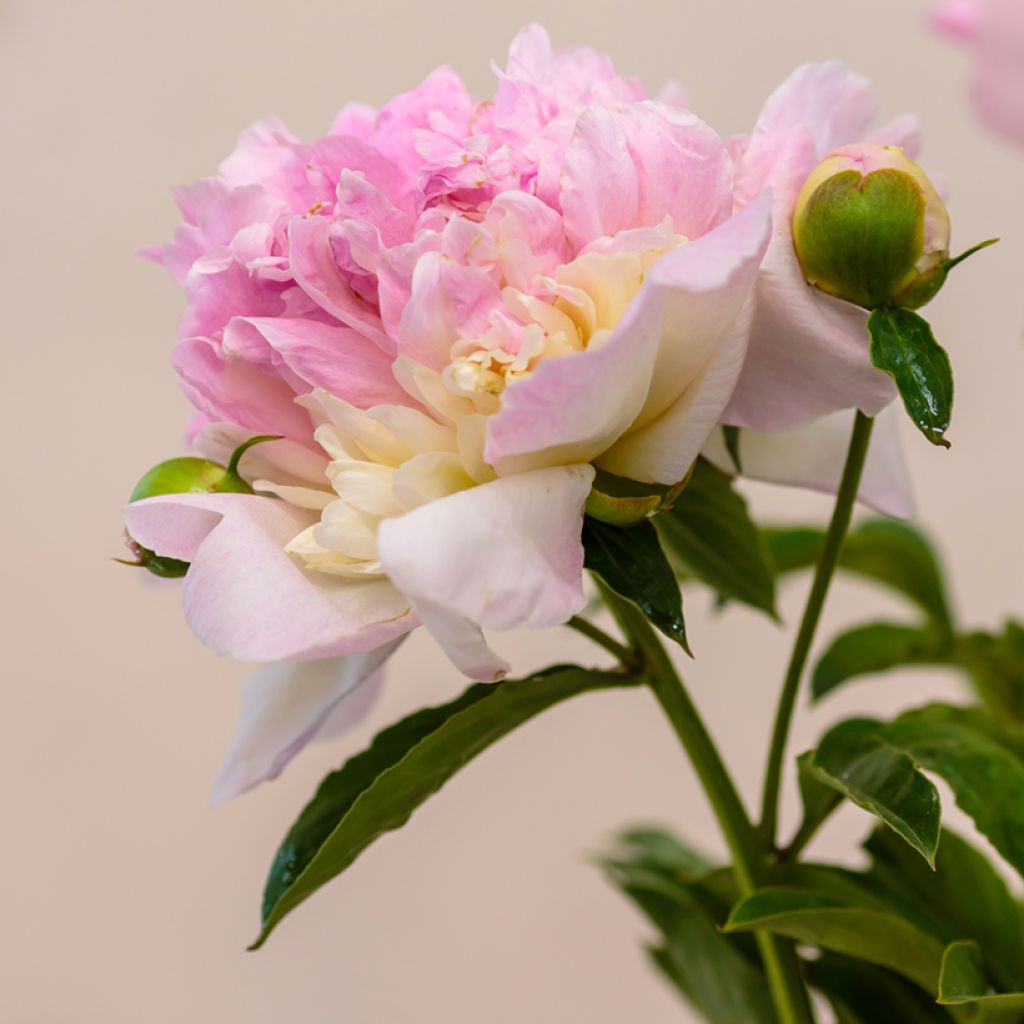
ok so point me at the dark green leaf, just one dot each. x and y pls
(719, 975)
(963, 983)
(963, 898)
(709, 530)
(818, 797)
(975, 757)
(861, 932)
(996, 667)
(377, 790)
(855, 758)
(883, 550)
(902, 344)
(876, 647)
(630, 560)
(863, 993)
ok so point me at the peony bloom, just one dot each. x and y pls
(453, 312)
(994, 29)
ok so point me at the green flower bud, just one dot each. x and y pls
(187, 475)
(869, 227)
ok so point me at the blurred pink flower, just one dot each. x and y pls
(994, 31)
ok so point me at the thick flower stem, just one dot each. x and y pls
(782, 968)
(841, 514)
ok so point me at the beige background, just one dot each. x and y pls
(126, 898)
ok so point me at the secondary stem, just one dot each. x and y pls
(782, 968)
(845, 498)
(625, 656)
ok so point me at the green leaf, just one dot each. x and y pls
(879, 767)
(863, 993)
(903, 346)
(731, 436)
(709, 530)
(718, 974)
(818, 797)
(631, 561)
(996, 667)
(883, 550)
(855, 759)
(963, 983)
(975, 757)
(377, 791)
(861, 932)
(877, 647)
(963, 898)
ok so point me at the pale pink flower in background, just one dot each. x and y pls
(994, 31)
(453, 311)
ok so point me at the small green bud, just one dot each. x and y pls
(187, 475)
(870, 228)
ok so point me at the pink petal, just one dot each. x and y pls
(704, 291)
(314, 267)
(818, 108)
(600, 190)
(502, 555)
(337, 359)
(999, 74)
(287, 704)
(808, 353)
(245, 597)
(682, 166)
(959, 19)
(238, 393)
(812, 457)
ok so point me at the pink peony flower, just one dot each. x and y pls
(994, 29)
(453, 311)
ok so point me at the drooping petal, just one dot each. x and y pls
(813, 457)
(502, 555)
(286, 705)
(704, 290)
(808, 352)
(245, 597)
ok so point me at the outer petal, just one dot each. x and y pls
(337, 359)
(812, 457)
(502, 555)
(819, 107)
(808, 353)
(285, 705)
(245, 597)
(704, 291)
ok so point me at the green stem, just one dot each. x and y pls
(782, 967)
(845, 498)
(625, 656)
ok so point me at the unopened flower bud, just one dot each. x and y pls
(187, 475)
(869, 227)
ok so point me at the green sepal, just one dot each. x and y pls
(903, 346)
